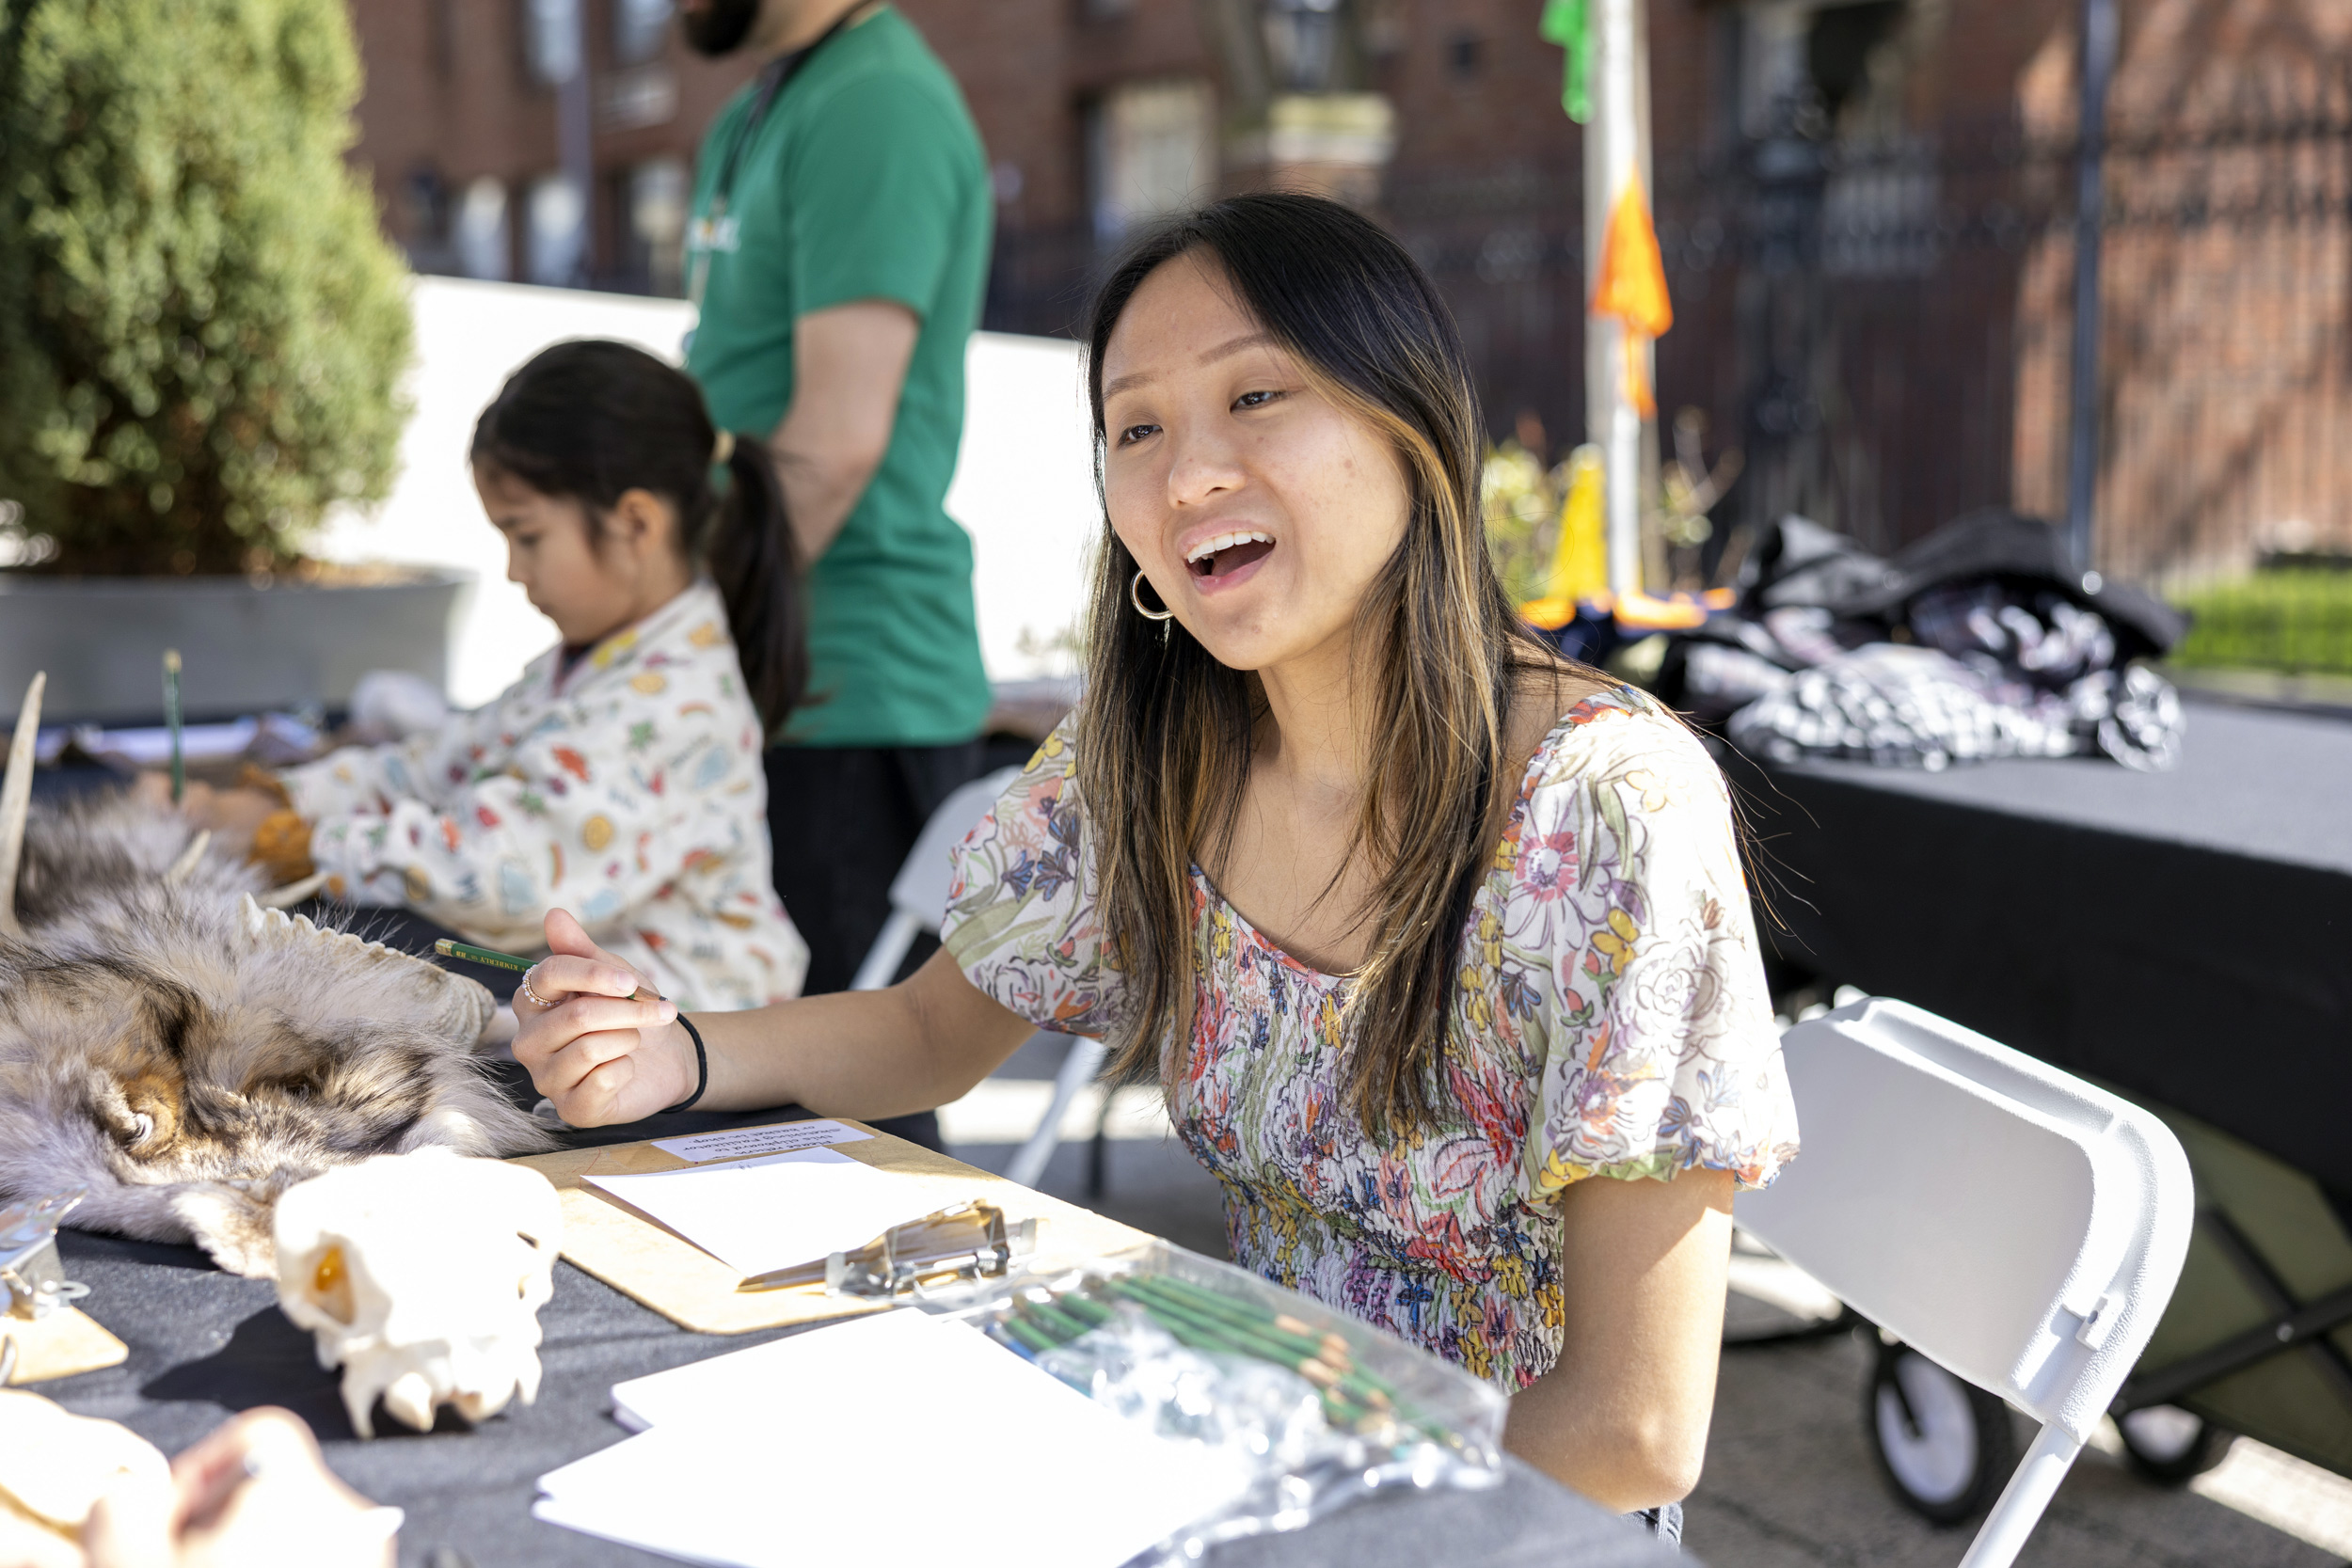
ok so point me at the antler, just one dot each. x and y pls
(292, 894)
(16, 802)
(190, 858)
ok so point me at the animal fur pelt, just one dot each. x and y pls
(187, 1054)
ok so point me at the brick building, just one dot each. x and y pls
(1866, 207)
(1095, 113)
(461, 128)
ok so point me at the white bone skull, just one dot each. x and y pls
(422, 1276)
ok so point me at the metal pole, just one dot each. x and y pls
(1611, 144)
(1602, 355)
(2082, 467)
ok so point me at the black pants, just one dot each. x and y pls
(843, 818)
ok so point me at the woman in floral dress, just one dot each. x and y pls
(1437, 946)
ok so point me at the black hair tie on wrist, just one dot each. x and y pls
(702, 1066)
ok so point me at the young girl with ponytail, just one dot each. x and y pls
(621, 777)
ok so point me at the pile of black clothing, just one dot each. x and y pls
(1980, 641)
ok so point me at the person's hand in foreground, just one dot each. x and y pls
(601, 1057)
(256, 1493)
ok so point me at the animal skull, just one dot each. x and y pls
(422, 1276)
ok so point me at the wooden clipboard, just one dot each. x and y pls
(59, 1345)
(656, 1266)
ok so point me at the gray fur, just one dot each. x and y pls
(186, 1055)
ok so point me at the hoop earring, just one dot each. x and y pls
(1135, 596)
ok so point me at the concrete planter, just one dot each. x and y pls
(245, 648)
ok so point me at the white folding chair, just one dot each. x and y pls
(2008, 1220)
(1077, 1070)
(918, 893)
(918, 902)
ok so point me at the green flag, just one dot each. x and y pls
(1569, 24)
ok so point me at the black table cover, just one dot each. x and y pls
(204, 1343)
(2185, 936)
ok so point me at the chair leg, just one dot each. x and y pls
(888, 952)
(1098, 1155)
(2022, 1500)
(1077, 1070)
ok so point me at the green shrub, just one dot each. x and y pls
(202, 329)
(2298, 620)
(1522, 503)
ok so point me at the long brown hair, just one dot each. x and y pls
(1165, 734)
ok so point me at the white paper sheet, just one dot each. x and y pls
(782, 1138)
(712, 1387)
(759, 1215)
(882, 1439)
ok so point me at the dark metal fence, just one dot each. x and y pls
(1883, 328)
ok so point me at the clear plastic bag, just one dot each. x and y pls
(1310, 1408)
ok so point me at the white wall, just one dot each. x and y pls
(1024, 484)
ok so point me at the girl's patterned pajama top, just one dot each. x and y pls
(629, 790)
(1611, 1019)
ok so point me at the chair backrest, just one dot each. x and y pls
(920, 888)
(2012, 1223)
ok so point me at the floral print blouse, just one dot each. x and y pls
(628, 788)
(1611, 1019)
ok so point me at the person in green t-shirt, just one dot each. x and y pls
(837, 250)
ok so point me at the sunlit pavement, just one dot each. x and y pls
(1791, 1481)
(1790, 1477)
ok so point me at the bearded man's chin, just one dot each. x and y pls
(718, 26)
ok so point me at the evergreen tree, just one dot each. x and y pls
(202, 330)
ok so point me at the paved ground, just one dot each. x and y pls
(1790, 1484)
(1789, 1481)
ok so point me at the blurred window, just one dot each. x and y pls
(657, 223)
(556, 232)
(1153, 150)
(1804, 64)
(551, 40)
(425, 206)
(479, 232)
(636, 96)
(639, 28)
(1302, 41)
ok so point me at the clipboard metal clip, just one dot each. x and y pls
(32, 1278)
(934, 1254)
(926, 1258)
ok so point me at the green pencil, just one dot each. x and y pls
(171, 721)
(496, 959)
(1044, 1325)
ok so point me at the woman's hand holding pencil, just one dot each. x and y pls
(603, 1047)
(448, 948)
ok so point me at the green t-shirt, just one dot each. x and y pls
(865, 181)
